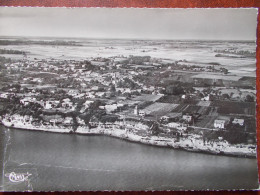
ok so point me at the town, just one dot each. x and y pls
(181, 104)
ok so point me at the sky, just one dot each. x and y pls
(130, 23)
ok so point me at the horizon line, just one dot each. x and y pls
(111, 38)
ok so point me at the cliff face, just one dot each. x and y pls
(191, 143)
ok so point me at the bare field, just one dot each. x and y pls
(159, 108)
(149, 97)
(206, 121)
(204, 103)
(229, 107)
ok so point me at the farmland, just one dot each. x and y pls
(148, 97)
(231, 107)
(159, 108)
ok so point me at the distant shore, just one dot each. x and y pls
(190, 144)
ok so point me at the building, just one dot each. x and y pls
(180, 127)
(141, 113)
(136, 111)
(98, 63)
(220, 124)
(111, 108)
(187, 118)
(171, 116)
(94, 122)
(173, 125)
(238, 121)
(207, 98)
(48, 105)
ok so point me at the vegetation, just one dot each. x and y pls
(30, 42)
(10, 51)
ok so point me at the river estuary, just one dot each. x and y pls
(77, 162)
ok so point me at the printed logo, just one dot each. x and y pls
(18, 177)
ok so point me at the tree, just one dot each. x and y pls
(155, 130)
(240, 94)
(189, 90)
(112, 88)
(235, 134)
(224, 70)
(201, 95)
(231, 94)
(225, 96)
(174, 90)
(95, 105)
(249, 98)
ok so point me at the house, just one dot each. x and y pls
(98, 63)
(187, 117)
(66, 103)
(93, 122)
(108, 121)
(4, 95)
(80, 121)
(141, 113)
(165, 118)
(238, 121)
(173, 125)
(56, 119)
(207, 98)
(171, 116)
(25, 101)
(136, 111)
(178, 126)
(48, 105)
(68, 121)
(111, 108)
(182, 128)
(220, 124)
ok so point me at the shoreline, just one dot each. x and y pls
(159, 142)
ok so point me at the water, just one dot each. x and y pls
(78, 162)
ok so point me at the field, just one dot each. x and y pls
(180, 107)
(149, 97)
(170, 99)
(229, 107)
(204, 103)
(202, 110)
(217, 77)
(206, 121)
(159, 109)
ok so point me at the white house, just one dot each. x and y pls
(178, 126)
(48, 105)
(171, 115)
(66, 103)
(220, 124)
(4, 95)
(238, 121)
(98, 63)
(182, 128)
(141, 113)
(187, 118)
(111, 108)
(136, 111)
(207, 98)
(173, 125)
(165, 118)
(67, 121)
(80, 121)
